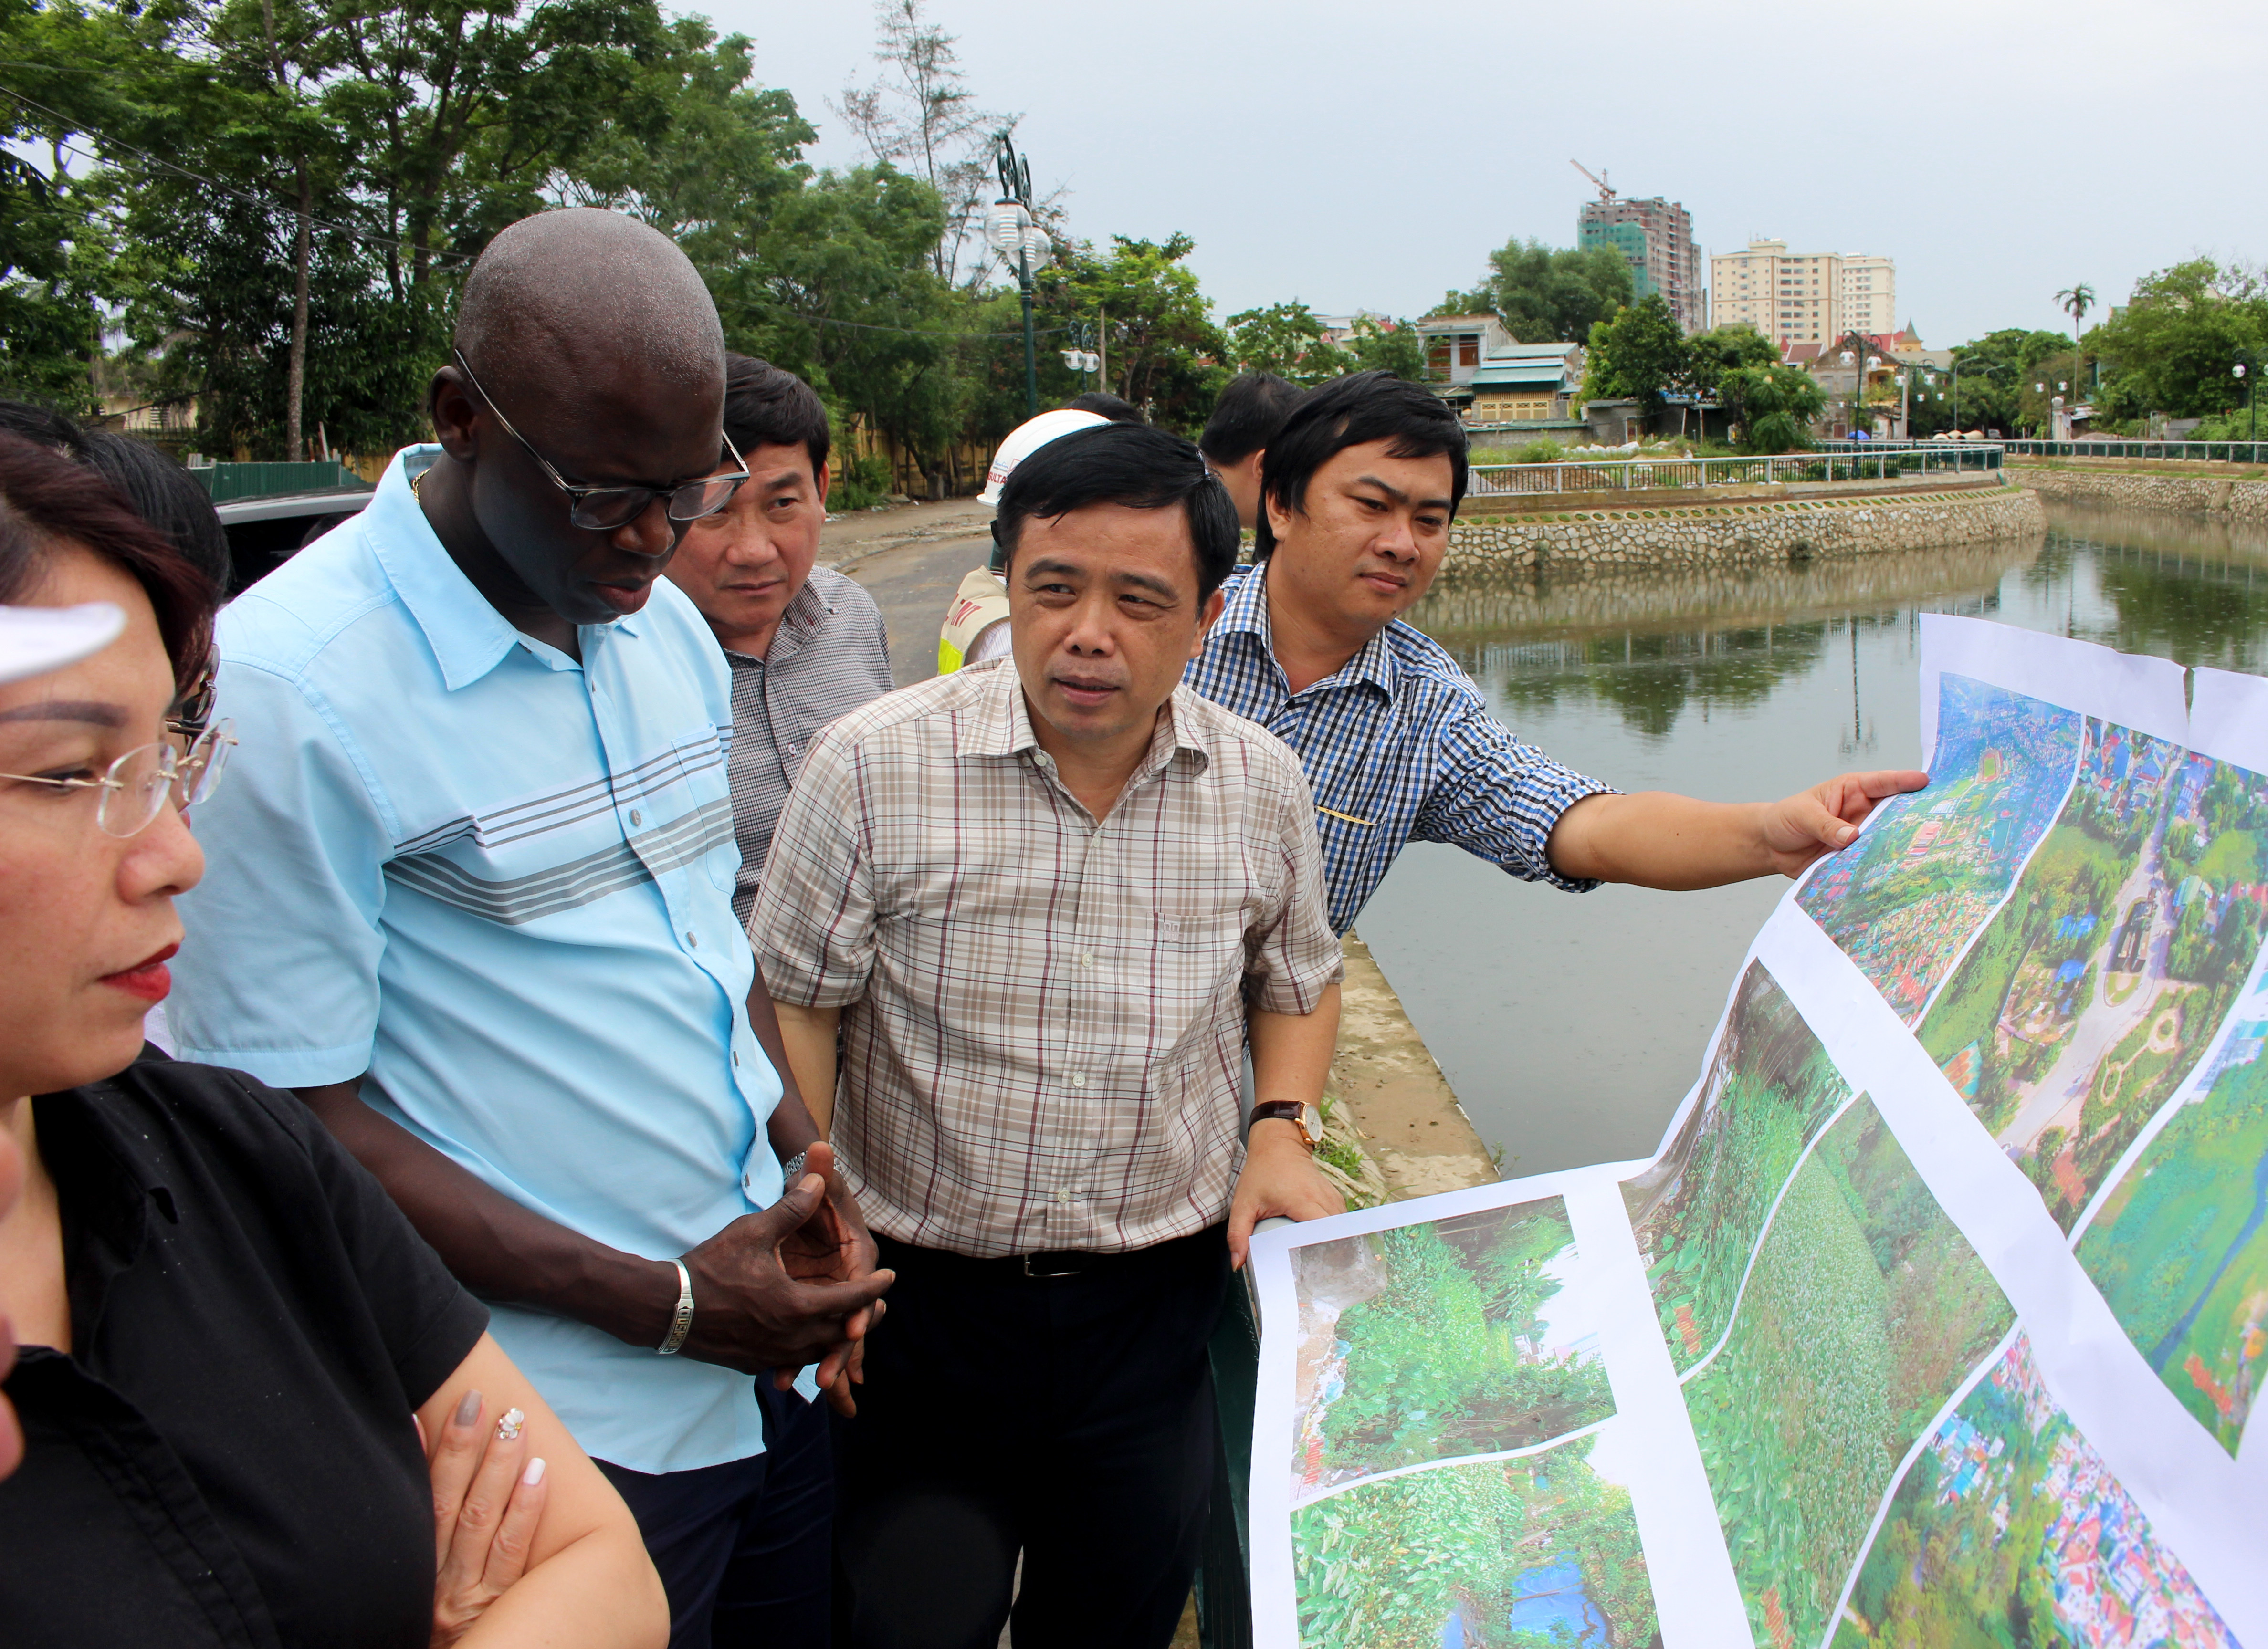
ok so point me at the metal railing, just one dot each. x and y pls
(1862, 460)
(2199, 452)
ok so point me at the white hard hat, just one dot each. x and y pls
(34, 640)
(1028, 438)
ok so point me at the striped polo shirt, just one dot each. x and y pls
(498, 883)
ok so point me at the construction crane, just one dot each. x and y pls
(1606, 189)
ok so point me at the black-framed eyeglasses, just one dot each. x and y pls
(606, 509)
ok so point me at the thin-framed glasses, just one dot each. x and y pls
(607, 509)
(135, 787)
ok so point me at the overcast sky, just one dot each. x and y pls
(1369, 155)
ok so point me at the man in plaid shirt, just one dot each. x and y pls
(1047, 899)
(1358, 489)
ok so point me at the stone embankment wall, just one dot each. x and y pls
(1730, 534)
(1476, 609)
(2189, 495)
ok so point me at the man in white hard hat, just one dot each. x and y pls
(976, 623)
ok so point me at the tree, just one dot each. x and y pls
(58, 230)
(841, 289)
(1772, 405)
(1287, 340)
(2171, 348)
(1638, 355)
(49, 333)
(1387, 347)
(1165, 350)
(1724, 349)
(921, 116)
(1555, 294)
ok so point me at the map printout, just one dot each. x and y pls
(1940, 1314)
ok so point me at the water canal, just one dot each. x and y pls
(1571, 1026)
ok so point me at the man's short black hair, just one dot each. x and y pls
(1129, 464)
(166, 496)
(1103, 404)
(1246, 416)
(769, 406)
(1347, 412)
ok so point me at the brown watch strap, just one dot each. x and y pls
(1288, 1111)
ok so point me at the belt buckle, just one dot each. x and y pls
(1043, 1276)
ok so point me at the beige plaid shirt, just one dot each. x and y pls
(1044, 1034)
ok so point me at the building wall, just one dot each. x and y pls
(1656, 236)
(1522, 406)
(1805, 297)
(1867, 290)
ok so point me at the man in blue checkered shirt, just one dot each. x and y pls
(1358, 489)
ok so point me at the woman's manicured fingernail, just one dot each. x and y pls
(508, 1428)
(469, 1409)
(534, 1475)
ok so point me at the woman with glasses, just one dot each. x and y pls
(256, 1409)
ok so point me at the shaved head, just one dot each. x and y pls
(562, 307)
(596, 365)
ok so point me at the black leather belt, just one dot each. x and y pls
(1051, 1265)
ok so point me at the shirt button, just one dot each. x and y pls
(636, 818)
(1063, 1196)
(692, 939)
(1079, 1079)
(1086, 958)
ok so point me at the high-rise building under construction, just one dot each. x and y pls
(1655, 235)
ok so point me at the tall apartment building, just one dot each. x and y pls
(1804, 298)
(1656, 237)
(1867, 294)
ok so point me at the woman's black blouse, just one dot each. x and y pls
(227, 1455)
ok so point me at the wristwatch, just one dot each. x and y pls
(1306, 1118)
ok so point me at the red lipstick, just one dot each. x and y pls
(150, 979)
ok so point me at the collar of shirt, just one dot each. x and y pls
(1000, 725)
(1246, 613)
(799, 620)
(470, 637)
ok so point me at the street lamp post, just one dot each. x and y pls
(1081, 356)
(2249, 381)
(1013, 233)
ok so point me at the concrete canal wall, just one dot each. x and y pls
(1468, 609)
(1732, 533)
(1393, 1129)
(2230, 496)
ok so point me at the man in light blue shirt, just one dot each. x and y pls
(470, 894)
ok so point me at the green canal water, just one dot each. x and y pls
(1570, 1025)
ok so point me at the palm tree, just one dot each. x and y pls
(2075, 301)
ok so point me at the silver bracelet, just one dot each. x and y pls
(791, 1170)
(681, 1324)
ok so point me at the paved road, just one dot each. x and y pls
(2061, 1095)
(910, 559)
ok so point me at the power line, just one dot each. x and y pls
(245, 195)
(914, 332)
(369, 237)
